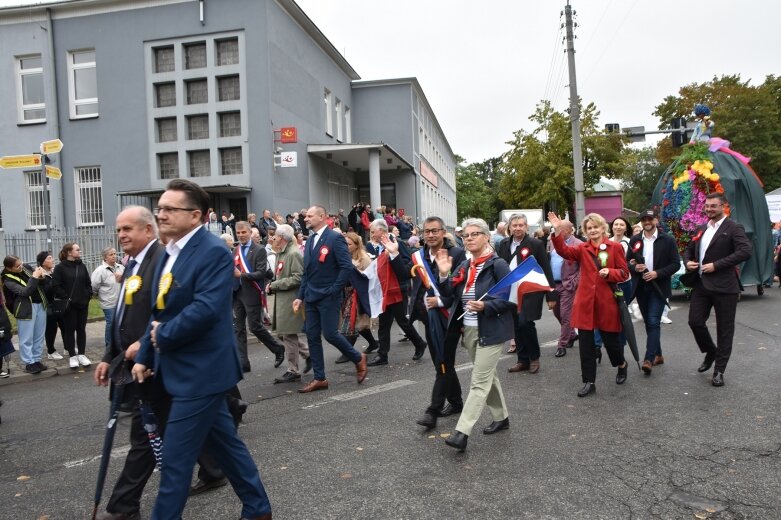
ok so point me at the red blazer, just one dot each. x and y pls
(595, 306)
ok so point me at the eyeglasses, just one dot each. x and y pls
(473, 235)
(713, 205)
(432, 231)
(169, 209)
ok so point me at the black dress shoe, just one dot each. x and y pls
(105, 515)
(572, 342)
(457, 440)
(201, 487)
(371, 348)
(599, 356)
(621, 375)
(718, 379)
(377, 361)
(428, 420)
(496, 426)
(449, 409)
(707, 363)
(588, 388)
(280, 357)
(561, 352)
(342, 359)
(403, 339)
(308, 366)
(418, 354)
(288, 377)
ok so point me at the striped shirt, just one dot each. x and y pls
(470, 318)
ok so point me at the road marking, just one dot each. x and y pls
(357, 394)
(116, 452)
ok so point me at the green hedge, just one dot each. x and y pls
(95, 312)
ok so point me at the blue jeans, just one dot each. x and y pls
(31, 335)
(109, 314)
(651, 307)
(322, 317)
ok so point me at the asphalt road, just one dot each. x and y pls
(666, 446)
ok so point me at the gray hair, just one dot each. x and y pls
(144, 217)
(285, 232)
(379, 223)
(478, 223)
(243, 224)
(517, 216)
(107, 251)
(228, 239)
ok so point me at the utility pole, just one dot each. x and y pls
(574, 112)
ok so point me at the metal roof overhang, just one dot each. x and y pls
(222, 188)
(355, 157)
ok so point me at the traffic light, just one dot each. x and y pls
(679, 132)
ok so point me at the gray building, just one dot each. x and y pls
(246, 97)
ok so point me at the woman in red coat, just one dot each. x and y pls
(602, 266)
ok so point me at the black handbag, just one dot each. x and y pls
(6, 331)
(60, 306)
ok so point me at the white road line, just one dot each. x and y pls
(357, 394)
(116, 452)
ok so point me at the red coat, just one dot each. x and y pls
(595, 306)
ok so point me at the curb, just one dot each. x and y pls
(20, 376)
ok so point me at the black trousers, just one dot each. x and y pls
(52, 323)
(242, 314)
(74, 329)
(365, 334)
(526, 343)
(398, 312)
(446, 387)
(725, 306)
(588, 352)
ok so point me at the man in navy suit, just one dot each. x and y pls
(190, 343)
(327, 267)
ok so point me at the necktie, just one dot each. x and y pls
(244, 249)
(314, 241)
(120, 312)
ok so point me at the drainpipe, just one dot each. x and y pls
(53, 115)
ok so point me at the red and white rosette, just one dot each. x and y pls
(524, 252)
(323, 253)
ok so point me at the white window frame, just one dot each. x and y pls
(329, 117)
(33, 191)
(80, 187)
(72, 68)
(348, 125)
(339, 120)
(20, 73)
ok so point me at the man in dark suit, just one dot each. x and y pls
(191, 345)
(327, 267)
(251, 275)
(137, 234)
(397, 255)
(653, 259)
(715, 253)
(518, 247)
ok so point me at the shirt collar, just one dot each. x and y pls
(173, 248)
(718, 223)
(140, 256)
(653, 237)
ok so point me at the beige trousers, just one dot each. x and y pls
(295, 345)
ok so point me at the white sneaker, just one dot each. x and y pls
(4, 373)
(84, 360)
(666, 320)
(73, 362)
(54, 355)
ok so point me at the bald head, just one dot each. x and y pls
(136, 227)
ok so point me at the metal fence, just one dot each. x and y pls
(27, 245)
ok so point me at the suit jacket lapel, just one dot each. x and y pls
(321, 239)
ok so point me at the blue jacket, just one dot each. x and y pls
(196, 353)
(326, 268)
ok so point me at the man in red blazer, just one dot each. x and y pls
(715, 253)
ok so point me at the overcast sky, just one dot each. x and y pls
(485, 64)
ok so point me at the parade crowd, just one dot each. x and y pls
(190, 284)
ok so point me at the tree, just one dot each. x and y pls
(641, 172)
(747, 116)
(473, 196)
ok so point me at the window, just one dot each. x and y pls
(36, 217)
(165, 95)
(164, 59)
(168, 165)
(195, 55)
(230, 124)
(348, 126)
(30, 98)
(89, 196)
(82, 84)
(228, 52)
(197, 91)
(228, 88)
(230, 161)
(166, 130)
(199, 163)
(1, 217)
(198, 127)
(329, 122)
(339, 122)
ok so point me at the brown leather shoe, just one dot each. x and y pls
(534, 366)
(518, 367)
(314, 385)
(659, 360)
(360, 369)
(267, 516)
(647, 367)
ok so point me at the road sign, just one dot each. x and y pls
(20, 161)
(53, 146)
(53, 172)
(636, 133)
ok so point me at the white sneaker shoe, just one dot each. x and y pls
(84, 360)
(73, 362)
(666, 320)
(54, 356)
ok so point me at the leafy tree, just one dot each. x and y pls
(641, 172)
(473, 196)
(747, 116)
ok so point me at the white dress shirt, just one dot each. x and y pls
(174, 248)
(710, 232)
(648, 250)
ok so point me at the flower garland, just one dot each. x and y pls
(683, 195)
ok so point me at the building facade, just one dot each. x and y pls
(248, 98)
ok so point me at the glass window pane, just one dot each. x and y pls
(85, 82)
(199, 163)
(230, 124)
(197, 92)
(166, 130)
(32, 62)
(84, 57)
(169, 165)
(198, 127)
(228, 52)
(230, 161)
(228, 88)
(86, 109)
(30, 115)
(195, 56)
(164, 59)
(166, 94)
(32, 88)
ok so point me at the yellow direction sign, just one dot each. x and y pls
(20, 161)
(53, 146)
(53, 172)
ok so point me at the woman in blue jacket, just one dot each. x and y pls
(487, 325)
